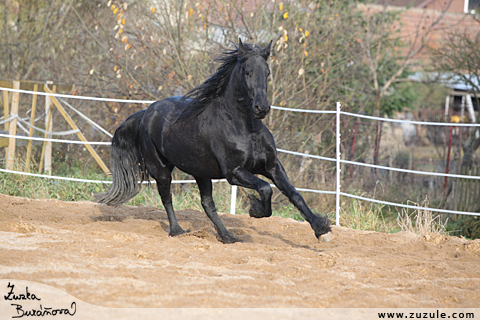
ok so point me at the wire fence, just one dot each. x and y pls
(338, 113)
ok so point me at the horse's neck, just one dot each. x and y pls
(237, 103)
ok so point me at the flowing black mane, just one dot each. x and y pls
(215, 86)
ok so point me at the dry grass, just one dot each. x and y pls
(421, 221)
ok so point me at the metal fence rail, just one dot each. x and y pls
(338, 193)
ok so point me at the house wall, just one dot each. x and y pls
(415, 22)
(441, 5)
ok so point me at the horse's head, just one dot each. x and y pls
(255, 73)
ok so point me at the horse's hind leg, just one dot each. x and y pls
(163, 175)
(205, 187)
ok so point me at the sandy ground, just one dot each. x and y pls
(123, 257)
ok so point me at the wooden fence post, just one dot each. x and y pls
(30, 132)
(6, 114)
(13, 127)
(47, 145)
(49, 128)
(79, 133)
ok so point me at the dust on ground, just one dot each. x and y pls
(123, 257)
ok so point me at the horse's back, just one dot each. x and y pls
(179, 143)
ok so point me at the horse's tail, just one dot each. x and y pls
(128, 167)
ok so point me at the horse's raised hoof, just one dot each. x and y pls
(176, 232)
(256, 208)
(326, 237)
(321, 226)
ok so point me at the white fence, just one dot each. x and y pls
(338, 113)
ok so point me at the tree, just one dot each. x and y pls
(459, 58)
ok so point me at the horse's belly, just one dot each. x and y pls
(193, 159)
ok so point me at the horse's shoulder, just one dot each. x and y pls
(266, 134)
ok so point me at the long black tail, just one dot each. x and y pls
(128, 167)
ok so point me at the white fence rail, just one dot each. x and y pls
(338, 193)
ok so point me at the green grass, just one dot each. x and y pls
(362, 215)
(184, 197)
(354, 214)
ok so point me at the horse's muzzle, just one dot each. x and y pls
(261, 113)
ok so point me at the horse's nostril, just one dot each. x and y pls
(257, 109)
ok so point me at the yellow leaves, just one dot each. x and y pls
(115, 69)
(120, 31)
(190, 12)
(307, 33)
(153, 9)
(323, 70)
(123, 21)
(124, 39)
(115, 11)
(285, 37)
(112, 7)
(204, 26)
(285, 15)
(128, 46)
(280, 6)
(300, 29)
(305, 53)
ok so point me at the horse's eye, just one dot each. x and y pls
(248, 72)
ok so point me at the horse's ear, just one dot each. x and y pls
(266, 51)
(242, 49)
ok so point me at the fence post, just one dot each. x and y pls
(79, 133)
(13, 127)
(337, 193)
(30, 132)
(49, 128)
(6, 114)
(233, 200)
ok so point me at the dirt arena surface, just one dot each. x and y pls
(123, 257)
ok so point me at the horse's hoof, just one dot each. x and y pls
(326, 237)
(176, 232)
(230, 239)
(256, 208)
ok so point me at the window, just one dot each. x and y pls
(471, 5)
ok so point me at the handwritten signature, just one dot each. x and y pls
(39, 312)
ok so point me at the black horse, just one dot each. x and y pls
(214, 131)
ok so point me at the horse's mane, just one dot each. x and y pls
(215, 86)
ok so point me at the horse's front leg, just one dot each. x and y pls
(258, 208)
(320, 225)
(205, 187)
